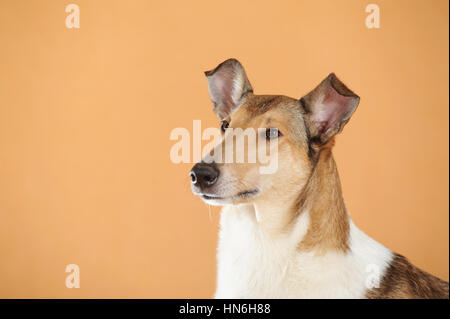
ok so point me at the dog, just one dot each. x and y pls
(288, 234)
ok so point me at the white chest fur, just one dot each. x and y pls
(255, 264)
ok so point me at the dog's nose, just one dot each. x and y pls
(204, 175)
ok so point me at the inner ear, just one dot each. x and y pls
(228, 85)
(328, 108)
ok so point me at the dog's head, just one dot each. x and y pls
(301, 128)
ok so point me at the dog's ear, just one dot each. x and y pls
(328, 108)
(228, 84)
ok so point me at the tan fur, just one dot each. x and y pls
(329, 222)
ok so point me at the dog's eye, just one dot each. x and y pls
(272, 133)
(224, 125)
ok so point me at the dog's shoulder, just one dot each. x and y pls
(404, 280)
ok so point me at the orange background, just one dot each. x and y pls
(85, 118)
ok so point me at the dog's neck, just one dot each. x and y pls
(321, 199)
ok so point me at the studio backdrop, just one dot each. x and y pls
(90, 92)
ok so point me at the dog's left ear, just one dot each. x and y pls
(328, 108)
(228, 84)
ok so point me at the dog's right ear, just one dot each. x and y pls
(228, 84)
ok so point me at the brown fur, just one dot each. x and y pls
(404, 280)
(260, 104)
(329, 222)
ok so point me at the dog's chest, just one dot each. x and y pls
(254, 265)
(248, 264)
